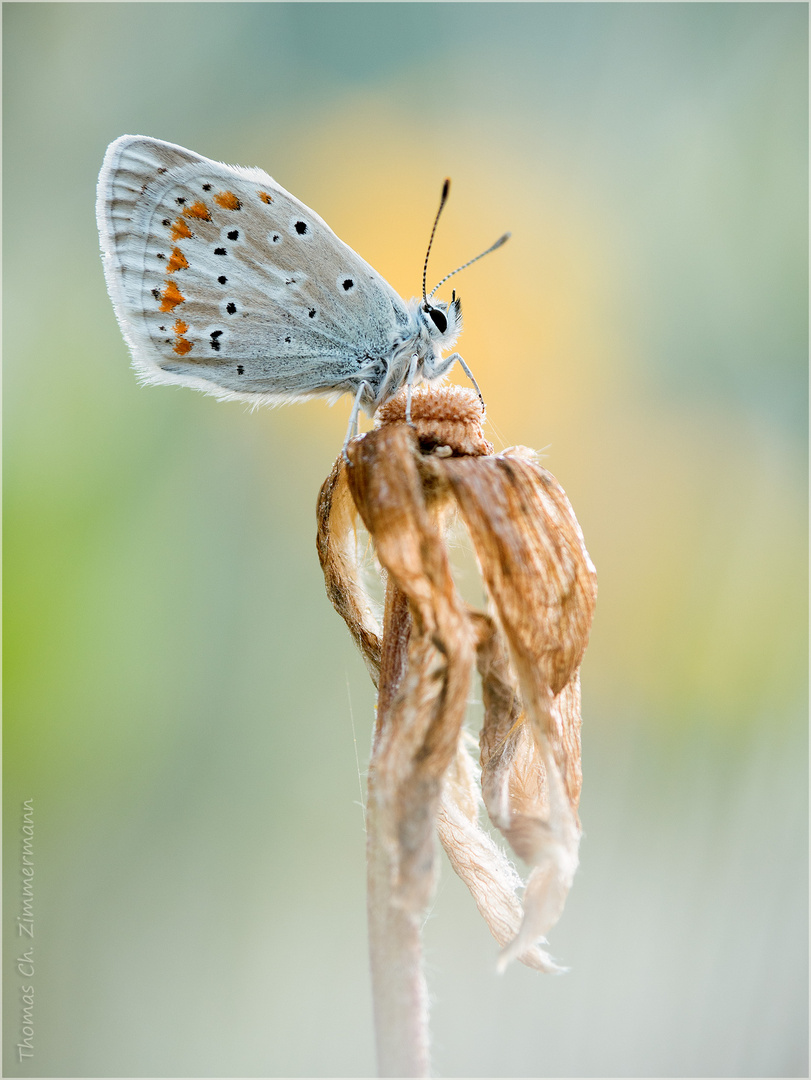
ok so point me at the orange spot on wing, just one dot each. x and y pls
(228, 200)
(171, 297)
(263, 195)
(198, 210)
(180, 230)
(181, 346)
(177, 261)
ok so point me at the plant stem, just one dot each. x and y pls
(399, 990)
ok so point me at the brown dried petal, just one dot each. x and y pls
(513, 773)
(540, 580)
(493, 881)
(418, 731)
(336, 543)
(542, 586)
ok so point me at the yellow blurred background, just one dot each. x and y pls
(183, 706)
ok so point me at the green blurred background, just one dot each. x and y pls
(183, 705)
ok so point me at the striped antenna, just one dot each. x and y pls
(501, 240)
(446, 187)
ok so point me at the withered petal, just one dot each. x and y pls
(533, 560)
(336, 543)
(540, 580)
(418, 726)
(492, 880)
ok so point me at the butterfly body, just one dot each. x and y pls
(223, 281)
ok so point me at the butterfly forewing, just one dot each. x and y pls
(224, 281)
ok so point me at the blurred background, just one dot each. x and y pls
(183, 706)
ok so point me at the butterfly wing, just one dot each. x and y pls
(223, 281)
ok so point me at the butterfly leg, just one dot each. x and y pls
(412, 374)
(353, 426)
(469, 374)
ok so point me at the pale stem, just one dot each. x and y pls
(399, 990)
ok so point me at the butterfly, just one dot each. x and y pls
(223, 281)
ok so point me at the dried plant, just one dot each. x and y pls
(405, 482)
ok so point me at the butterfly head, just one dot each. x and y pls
(442, 321)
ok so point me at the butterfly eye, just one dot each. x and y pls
(439, 320)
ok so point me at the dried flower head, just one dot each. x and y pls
(404, 482)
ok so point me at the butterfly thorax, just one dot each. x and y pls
(430, 331)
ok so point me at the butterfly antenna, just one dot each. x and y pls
(501, 240)
(446, 187)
